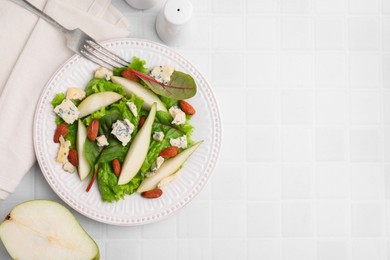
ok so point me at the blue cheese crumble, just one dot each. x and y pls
(180, 142)
(75, 94)
(103, 73)
(67, 111)
(101, 141)
(154, 167)
(162, 73)
(157, 164)
(133, 108)
(158, 136)
(122, 130)
(179, 117)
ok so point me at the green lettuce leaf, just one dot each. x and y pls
(108, 187)
(97, 85)
(137, 64)
(157, 146)
(59, 97)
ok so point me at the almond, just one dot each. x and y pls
(141, 122)
(116, 166)
(72, 157)
(152, 194)
(93, 130)
(187, 108)
(128, 74)
(169, 152)
(62, 130)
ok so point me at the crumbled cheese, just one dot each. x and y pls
(133, 108)
(179, 117)
(67, 111)
(123, 130)
(103, 73)
(101, 141)
(75, 93)
(167, 180)
(68, 167)
(162, 73)
(157, 164)
(63, 152)
(158, 136)
(180, 142)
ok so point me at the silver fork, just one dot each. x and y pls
(80, 42)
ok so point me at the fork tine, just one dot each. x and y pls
(99, 58)
(93, 58)
(99, 48)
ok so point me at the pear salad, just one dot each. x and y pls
(129, 129)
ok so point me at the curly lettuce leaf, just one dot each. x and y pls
(97, 85)
(108, 187)
(157, 146)
(137, 64)
(59, 97)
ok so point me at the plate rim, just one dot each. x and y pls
(154, 217)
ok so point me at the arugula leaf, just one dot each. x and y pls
(181, 86)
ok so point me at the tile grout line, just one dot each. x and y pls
(245, 68)
(382, 126)
(314, 123)
(280, 128)
(348, 128)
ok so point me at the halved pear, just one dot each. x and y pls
(138, 149)
(167, 168)
(83, 167)
(96, 101)
(132, 87)
(44, 229)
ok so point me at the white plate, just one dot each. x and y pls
(133, 210)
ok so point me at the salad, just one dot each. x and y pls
(129, 130)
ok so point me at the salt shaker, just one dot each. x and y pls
(142, 4)
(174, 22)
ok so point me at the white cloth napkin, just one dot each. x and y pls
(31, 50)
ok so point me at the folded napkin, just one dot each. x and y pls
(31, 50)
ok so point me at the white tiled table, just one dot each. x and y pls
(304, 172)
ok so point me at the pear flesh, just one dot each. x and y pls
(138, 149)
(96, 101)
(43, 229)
(83, 167)
(132, 87)
(167, 168)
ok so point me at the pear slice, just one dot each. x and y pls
(95, 101)
(138, 149)
(83, 167)
(44, 229)
(169, 167)
(132, 87)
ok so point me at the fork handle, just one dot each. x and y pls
(27, 5)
